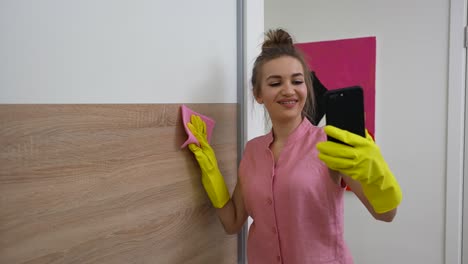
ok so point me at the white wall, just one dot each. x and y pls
(118, 51)
(411, 114)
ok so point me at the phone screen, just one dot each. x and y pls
(344, 108)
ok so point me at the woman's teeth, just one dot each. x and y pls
(288, 102)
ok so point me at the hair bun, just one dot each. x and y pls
(277, 38)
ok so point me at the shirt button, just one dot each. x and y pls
(278, 258)
(269, 201)
(274, 230)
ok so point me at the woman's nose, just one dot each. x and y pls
(288, 89)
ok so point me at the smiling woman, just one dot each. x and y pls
(281, 65)
(284, 179)
(283, 91)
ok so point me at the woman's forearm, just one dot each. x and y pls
(233, 215)
(358, 191)
(228, 217)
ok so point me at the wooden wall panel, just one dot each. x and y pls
(109, 184)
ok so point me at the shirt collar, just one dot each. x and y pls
(297, 133)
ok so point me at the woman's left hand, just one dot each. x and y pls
(362, 161)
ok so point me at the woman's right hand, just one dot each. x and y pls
(212, 180)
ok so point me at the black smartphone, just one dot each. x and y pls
(344, 108)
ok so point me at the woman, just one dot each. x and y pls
(291, 181)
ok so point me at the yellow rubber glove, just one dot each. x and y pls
(211, 177)
(362, 161)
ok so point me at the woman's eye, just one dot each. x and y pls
(298, 82)
(275, 84)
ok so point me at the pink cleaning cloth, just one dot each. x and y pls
(186, 114)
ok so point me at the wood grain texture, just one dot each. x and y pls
(110, 184)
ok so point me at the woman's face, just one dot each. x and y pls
(283, 89)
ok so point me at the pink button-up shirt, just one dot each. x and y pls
(297, 209)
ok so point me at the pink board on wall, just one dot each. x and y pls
(346, 62)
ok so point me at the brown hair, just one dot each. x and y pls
(278, 43)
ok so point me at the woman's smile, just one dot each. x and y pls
(288, 103)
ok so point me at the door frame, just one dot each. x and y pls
(455, 133)
(250, 28)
